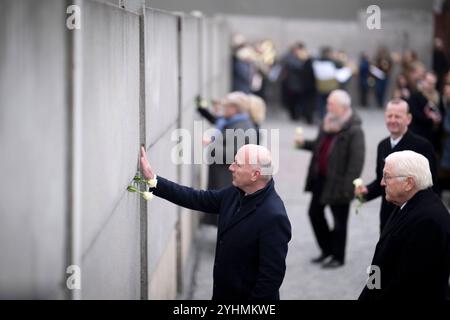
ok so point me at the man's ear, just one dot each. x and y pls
(409, 116)
(256, 175)
(411, 183)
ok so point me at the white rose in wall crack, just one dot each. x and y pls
(146, 195)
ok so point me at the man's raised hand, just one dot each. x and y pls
(146, 169)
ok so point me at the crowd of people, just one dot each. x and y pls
(412, 170)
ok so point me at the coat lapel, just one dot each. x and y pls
(402, 144)
(238, 216)
(246, 206)
(398, 219)
(394, 219)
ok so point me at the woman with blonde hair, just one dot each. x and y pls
(256, 109)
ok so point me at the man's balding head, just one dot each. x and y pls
(252, 168)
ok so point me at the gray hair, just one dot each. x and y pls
(412, 164)
(342, 97)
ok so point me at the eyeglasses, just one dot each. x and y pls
(386, 178)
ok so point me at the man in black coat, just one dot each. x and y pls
(253, 231)
(413, 254)
(397, 118)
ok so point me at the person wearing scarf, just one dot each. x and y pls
(338, 158)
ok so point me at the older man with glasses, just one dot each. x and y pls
(397, 118)
(413, 253)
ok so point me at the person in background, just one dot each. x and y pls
(425, 110)
(325, 73)
(397, 118)
(233, 117)
(441, 64)
(243, 68)
(338, 157)
(383, 62)
(444, 174)
(401, 89)
(257, 110)
(363, 79)
(299, 83)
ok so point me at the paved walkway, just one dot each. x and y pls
(304, 280)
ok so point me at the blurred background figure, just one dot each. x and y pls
(407, 60)
(332, 71)
(425, 105)
(444, 174)
(401, 89)
(257, 111)
(363, 79)
(325, 73)
(298, 83)
(232, 114)
(264, 60)
(440, 62)
(242, 65)
(383, 64)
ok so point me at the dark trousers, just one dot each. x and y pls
(363, 92)
(302, 105)
(330, 241)
(380, 91)
(323, 104)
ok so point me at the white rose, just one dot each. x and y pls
(147, 195)
(299, 131)
(152, 182)
(358, 182)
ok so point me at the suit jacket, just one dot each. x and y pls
(413, 252)
(252, 237)
(410, 141)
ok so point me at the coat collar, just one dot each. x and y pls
(406, 213)
(405, 139)
(246, 204)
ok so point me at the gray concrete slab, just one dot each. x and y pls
(110, 102)
(33, 199)
(304, 280)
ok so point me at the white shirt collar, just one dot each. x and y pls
(395, 141)
(403, 205)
